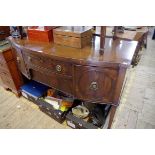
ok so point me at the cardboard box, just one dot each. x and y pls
(57, 115)
(78, 123)
(33, 90)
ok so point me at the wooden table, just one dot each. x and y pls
(139, 35)
(127, 35)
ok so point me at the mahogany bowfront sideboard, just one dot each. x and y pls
(84, 74)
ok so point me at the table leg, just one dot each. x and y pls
(112, 114)
(153, 37)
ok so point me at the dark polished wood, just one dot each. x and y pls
(95, 84)
(102, 39)
(114, 51)
(139, 35)
(82, 73)
(81, 69)
(112, 114)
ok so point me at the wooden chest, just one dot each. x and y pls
(9, 75)
(73, 36)
(43, 35)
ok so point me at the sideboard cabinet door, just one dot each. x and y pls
(95, 83)
(20, 61)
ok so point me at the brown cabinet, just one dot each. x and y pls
(59, 82)
(9, 74)
(85, 73)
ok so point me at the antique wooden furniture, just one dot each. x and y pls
(127, 35)
(4, 32)
(82, 73)
(139, 35)
(9, 75)
(73, 36)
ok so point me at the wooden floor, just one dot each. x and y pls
(137, 108)
(20, 113)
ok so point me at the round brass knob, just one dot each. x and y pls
(94, 86)
(58, 68)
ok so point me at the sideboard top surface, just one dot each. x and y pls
(115, 51)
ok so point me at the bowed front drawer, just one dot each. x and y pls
(47, 64)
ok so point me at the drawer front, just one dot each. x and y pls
(59, 82)
(67, 41)
(95, 84)
(39, 61)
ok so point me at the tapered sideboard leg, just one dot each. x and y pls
(112, 114)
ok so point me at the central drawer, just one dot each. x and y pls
(59, 82)
(42, 62)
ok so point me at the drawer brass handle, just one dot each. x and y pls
(94, 86)
(58, 68)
